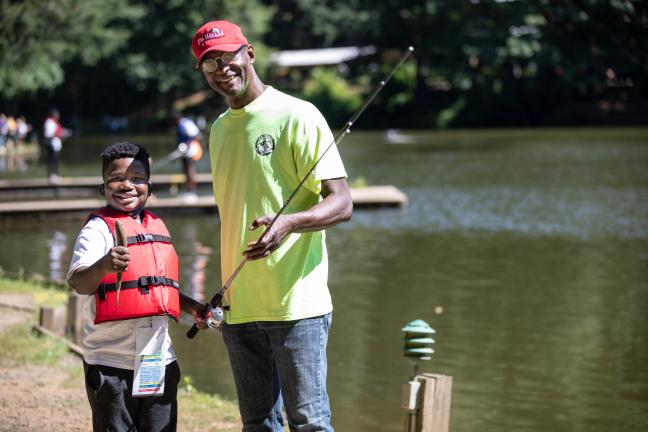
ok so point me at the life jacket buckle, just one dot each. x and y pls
(144, 238)
(145, 281)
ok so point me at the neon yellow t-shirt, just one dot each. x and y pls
(259, 154)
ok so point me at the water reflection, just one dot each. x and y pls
(196, 261)
(15, 162)
(58, 260)
(534, 244)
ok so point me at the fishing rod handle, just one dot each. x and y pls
(193, 331)
(215, 302)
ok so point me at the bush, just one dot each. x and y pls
(332, 95)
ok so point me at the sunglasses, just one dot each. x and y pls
(211, 64)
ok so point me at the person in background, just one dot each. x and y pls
(12, 135)
(188, 140)
(23, 129)
(3, 131)
(201, 121)
(278, 308)
(53, 134)
(125, 336)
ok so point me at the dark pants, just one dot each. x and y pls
(189, 169)
(115, 409)
(52, 160)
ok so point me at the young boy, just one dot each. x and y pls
(126, 347)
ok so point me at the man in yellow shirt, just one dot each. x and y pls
(278, 309)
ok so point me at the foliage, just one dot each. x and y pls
(477, 62)
(159, 55)
(517, 62)
(334, 97)
(37, 38)
(300, 24)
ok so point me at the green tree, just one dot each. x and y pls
(477, 62)
(38, 37)
(158, 58)
(487, 62)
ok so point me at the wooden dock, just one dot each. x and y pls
(90, 181)
(34, 196)
(81, 187)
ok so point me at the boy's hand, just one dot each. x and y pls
(197, 310)
(116, 259)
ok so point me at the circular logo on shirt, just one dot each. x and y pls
(265, 144)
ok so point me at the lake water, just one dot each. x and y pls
(526, 250)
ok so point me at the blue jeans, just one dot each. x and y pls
(277, 362)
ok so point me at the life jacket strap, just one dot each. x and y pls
(143, 282)
(147, 238)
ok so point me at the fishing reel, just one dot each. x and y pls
(215, 317)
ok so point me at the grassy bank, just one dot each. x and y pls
(21, 348)
(42, 292)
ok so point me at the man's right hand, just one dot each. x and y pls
(270, 240)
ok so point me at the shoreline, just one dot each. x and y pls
(47, 382)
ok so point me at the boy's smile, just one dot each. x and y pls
(126, 185)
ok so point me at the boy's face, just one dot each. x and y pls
(126, 184)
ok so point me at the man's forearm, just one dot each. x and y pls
(336, 207)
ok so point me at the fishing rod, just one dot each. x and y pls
(183, 149)
(171, 157)
(216, 302)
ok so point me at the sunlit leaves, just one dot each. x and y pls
(37, 38)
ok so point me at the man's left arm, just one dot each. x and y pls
(336, 207)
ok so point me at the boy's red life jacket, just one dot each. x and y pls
(150, 284)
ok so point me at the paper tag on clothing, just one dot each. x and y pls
(151, 345)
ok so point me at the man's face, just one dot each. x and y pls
(126, 184)
(232, 79)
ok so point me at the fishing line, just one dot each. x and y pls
(215, 304)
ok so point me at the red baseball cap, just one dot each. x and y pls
(217, 36)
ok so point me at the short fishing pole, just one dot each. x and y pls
(216, 302)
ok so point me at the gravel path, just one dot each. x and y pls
(39, 397)
(14, 309)
(53, 398)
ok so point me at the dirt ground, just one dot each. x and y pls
(40, 397)
(53, 398)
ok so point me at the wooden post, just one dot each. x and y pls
(436, 394)
(53, 319)
(426, 401)
(75, 317)
(411, 403)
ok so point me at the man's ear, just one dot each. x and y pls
(102, 189)
(251, 53)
